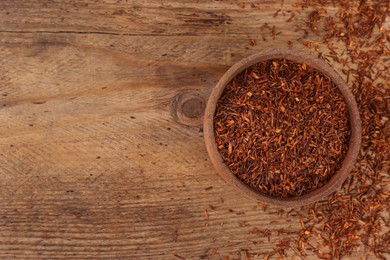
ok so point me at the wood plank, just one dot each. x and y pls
(139, 17)
(89, 166)
(93, 164)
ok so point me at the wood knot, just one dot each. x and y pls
(188, 108)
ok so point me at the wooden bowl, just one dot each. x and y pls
(355, 122)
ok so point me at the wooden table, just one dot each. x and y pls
(94, 163)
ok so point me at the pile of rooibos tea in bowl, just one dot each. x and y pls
(282, 128)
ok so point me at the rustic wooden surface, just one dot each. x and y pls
(93, 165)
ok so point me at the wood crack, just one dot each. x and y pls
(78, 32)
(126, 34)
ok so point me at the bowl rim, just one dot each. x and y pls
(355, 123)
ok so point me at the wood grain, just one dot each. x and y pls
(93, 165)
